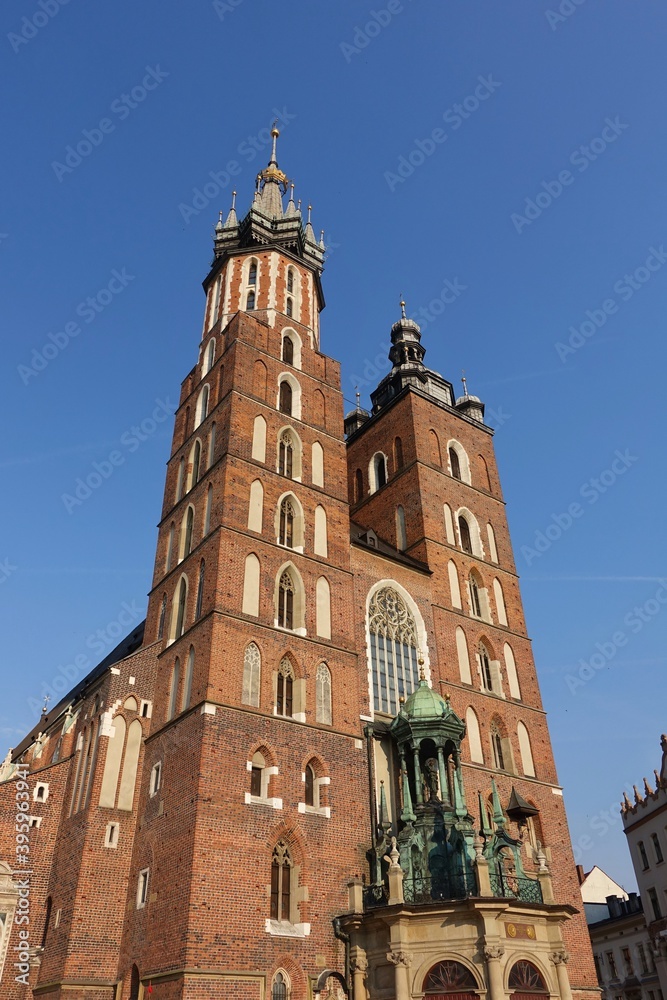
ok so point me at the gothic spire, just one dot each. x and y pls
(273, 182)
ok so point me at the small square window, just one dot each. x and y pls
(34, 822)
(41, 792)
(111, 835)
(145, 709)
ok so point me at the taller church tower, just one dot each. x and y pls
(324, 768)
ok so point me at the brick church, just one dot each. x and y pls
(321, 766)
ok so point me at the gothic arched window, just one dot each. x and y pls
(286, 601)
(485, 667)
(290, 280)
(475, 602)
(323, 694)
(252, 665)
(497, 747)
(163, 612)
(309, 793)
(200, 589)
(284, 688)
(196, 463)
(286, 532)
(393, 638)
(252, 273)
(288, 347)
(281, 877)
(454, 463)
(180, 614)
(286, 455)
(289, 308)
(464, 531)
(285, 398)
(279, 990)
(250, 301)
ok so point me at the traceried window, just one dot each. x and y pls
(281, 877)
(526, 978)
(497, 746)
(286, 601)
(286, 531)
(252, 664)
(450, 977)
(286, 454)
(485, 667)
(284, 688)
(279, 990)
(393, 639)
(323, 695)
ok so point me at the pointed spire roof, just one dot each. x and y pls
(291, 207)
(231, 218)
(310, 232)
(518, 807)
(273, 182)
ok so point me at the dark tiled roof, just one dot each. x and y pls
(366, 538)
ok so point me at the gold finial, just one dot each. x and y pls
(275, 133)
(403, 316)
(45, 706)
(422, 672)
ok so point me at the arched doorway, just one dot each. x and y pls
(135, 984)
(450, 980)
(526, 982)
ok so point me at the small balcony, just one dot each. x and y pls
(444, 888)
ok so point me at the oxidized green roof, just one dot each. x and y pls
(424, 703)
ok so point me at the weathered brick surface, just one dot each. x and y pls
(202, 931)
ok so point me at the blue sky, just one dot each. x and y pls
(534, 199)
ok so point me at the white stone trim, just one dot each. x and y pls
(282, 928)
(207, 709)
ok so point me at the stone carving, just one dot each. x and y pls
(560, 957)
(399, 958)
(493, 952)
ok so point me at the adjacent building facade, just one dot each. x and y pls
(321, 765)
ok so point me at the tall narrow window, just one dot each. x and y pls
(252, 273)
(497, 746)
(187, 533)
(398, 454)
(323, 695)
(454, 463)
(196, 463)
(358, 486)
(180, 482)
(286, 455)
(290, 280)
(250, 301)
(288, 350)
(286, 601)
(643, 855)
(656, 847)
(393, 640)
(211, 445)
(163, 612)
(475, 603)
(655, 903)
(401, 539)
(202, 405)
(209, 504)
(380, 471)
(289, 308)
(285, 398)
(281, 874)
(485, 667)
(170, 547)
(285, 688)
(309, 794)
(187, 683)
(286, 534)
(173, 688)
(210, 353)
(200, 590)
(180, 615)
(464, 531)
(258, 764)
(252, 665)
